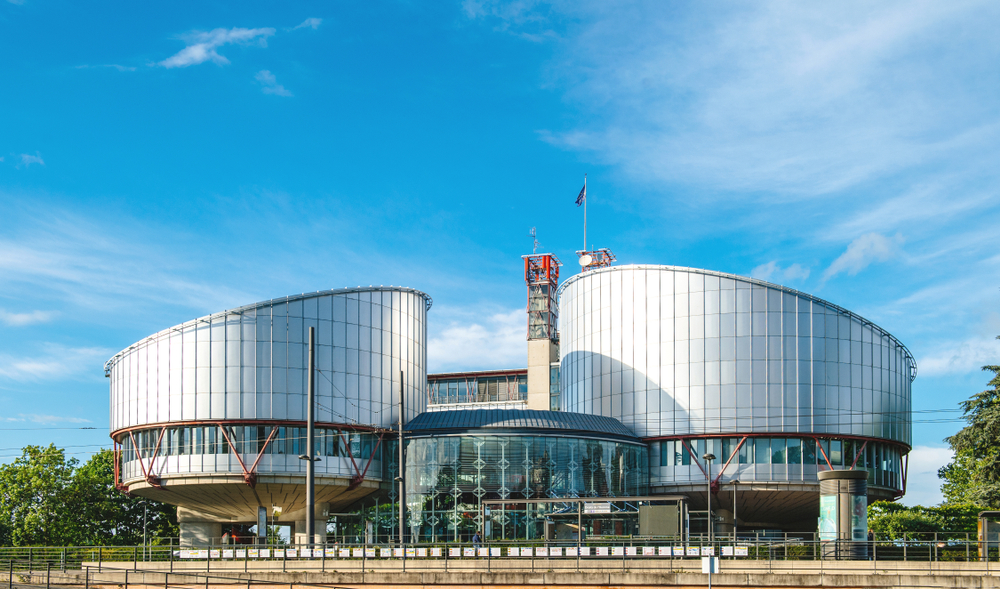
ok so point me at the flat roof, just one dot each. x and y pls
(477, 373)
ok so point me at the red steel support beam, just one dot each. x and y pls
(858, 455)
(695, 458)
(822, 451)
(152, 479)
(731, 456)
(347, 448)
(250, 477)
(233, 447)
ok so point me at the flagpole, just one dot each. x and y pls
(584, 212)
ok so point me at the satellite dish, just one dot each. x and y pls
(586, 260)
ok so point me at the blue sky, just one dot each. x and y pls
(163, 163)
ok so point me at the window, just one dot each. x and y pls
(763, 453)
(836, 453)
(794, 451)
(777, 450)
(809, 451)
(279, 442)
(746, 452)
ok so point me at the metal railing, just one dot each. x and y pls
(929, 552)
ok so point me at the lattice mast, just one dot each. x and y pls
(541, 274)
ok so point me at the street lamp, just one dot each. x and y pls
(736, 485)
(145, 511)
(708, 458)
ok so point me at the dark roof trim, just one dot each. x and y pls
(519, 421)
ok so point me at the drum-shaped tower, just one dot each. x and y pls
(776, 383)
(210, 415)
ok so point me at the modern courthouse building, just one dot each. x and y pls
(634, 375)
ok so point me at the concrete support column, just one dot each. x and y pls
(541, 354)
(301, 534)
(199, 533)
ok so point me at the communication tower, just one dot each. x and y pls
(541, 274)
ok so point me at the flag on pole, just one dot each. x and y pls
(582, 196)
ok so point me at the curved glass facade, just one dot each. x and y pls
(250, 364)
(448, 478)
(776, 458)
(674, 351)
(206, 449)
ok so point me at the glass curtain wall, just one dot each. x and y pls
(483, 389)
(449, 477)
(882, 461)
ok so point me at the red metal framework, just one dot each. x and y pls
(249, 474)
(541, 269)
(541, 274)
(599, 258)
(359, 475)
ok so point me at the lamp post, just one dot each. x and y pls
(708, 457)
(145, 510)
(736, 485)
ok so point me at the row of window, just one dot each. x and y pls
(884, 460)
(248, 440)
(478, 389)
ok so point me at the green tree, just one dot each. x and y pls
(108, 517)
(892, 520)
(46, 500)
(973, 477)
(34, 502)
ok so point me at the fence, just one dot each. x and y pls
(592, 555)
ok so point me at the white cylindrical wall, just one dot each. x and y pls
(677, 351)
(250, 363)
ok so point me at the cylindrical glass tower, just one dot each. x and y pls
(777, 383)
(210, 415)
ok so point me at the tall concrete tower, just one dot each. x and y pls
(541, 273)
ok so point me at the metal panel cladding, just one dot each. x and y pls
(250, 363)
(675, 351)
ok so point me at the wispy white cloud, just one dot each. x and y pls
(923, 487)
(202, 45)
(55, 362)
(862, 252)
(960, 357)
(22, 319)
(527, 19)
(27, 159)
(269, 84)
(37, 418)
(97, 267)
(469, 340)
(789, 100)
(773, 272)
(121, 68)
(309, 23)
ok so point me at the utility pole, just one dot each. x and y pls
(145, 511)
(400, 464)
(708, 457)
(310, 453)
